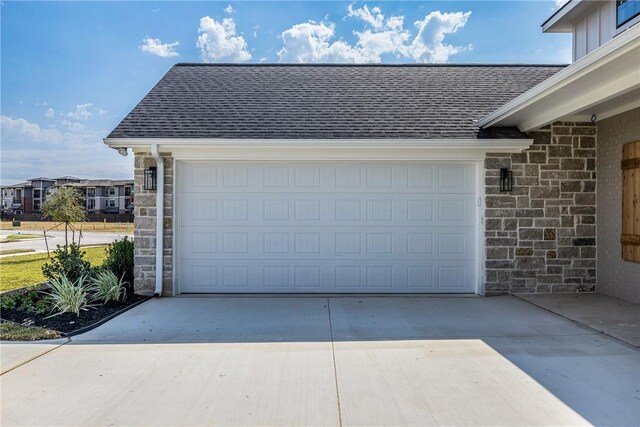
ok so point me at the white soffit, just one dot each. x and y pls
(605, 82)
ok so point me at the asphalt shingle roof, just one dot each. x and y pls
(328, 101)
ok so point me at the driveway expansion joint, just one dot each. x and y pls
(333, 356)
(31, 359)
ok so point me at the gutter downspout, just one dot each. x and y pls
(159, 219)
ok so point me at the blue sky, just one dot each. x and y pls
(72, 70)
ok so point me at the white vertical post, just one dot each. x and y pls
(159, 218)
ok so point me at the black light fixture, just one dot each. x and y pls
(150, 178)
(506, 180)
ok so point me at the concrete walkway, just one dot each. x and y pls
(330, 361)
(612, 316)
(57, 238)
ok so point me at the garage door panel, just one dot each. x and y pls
(437, 243)
(380, 227)
(330, 210)
(339, 178)
(369, 276)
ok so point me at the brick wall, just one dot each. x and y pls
(541, 236)
(145, 227)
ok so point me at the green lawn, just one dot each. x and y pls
(25, 270)
(15, 251)
(18, 237)
(14, 332)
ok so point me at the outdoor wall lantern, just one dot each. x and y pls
(150, 178)
(506, 180)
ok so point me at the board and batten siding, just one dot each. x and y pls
(594, 30)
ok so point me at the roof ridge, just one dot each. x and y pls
(229, 64)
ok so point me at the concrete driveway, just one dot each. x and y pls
(330, 361)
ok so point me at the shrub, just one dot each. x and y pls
(68, 262)
(119, 259)
(8, 302)
(30, 302)
(107, 287)
(66, 296)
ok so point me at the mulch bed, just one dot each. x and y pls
(69, 323)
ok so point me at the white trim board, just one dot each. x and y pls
(463, 150)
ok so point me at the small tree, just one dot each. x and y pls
(65, 205)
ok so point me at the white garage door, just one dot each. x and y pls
(350, 227)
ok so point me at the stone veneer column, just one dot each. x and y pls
(145, 227)
(541, 237)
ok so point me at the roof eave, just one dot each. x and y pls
(513, 145)
(563, 19)
(609, 71)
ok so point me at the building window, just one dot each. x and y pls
(36, 205)
(111, 191)
(91, 192)
(36, 193)
(91, 204)
(127, 191)
(626, 10)
(111, 203)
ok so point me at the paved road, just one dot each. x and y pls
(57, 238)
(329, 361)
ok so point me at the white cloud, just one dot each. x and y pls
(22, 130)
(310, 42)
(429, 46)
(72, 126)
(81, 112)
(314, 41)
(29, 150)
(156, 47)
(50, 113)
(560, 3)
(373, 17)
(228, 9)
(218, 41)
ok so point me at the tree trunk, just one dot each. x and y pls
(66, 241)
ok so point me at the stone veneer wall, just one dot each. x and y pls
(145, 227)
(616, 277)
(541, 237)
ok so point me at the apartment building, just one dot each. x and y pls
(99, 195)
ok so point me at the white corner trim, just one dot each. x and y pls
(617, 47)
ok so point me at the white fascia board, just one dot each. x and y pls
(366, 149)
(389, 143)
(623, 44)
